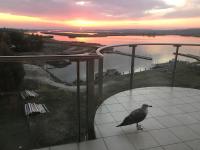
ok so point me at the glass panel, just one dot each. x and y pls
(38, 107)
(188, 69)
(158, 70)
(153, 67)
(116, 69)
(14, 130)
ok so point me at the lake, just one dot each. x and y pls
(159, 54)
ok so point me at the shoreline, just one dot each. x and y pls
(107, 34)
(52, 46)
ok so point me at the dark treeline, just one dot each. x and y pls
(11, 74)
(12, 42)
(18, 41)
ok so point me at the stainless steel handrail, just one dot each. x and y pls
(24, 58)
(99, 50)
(76, 57)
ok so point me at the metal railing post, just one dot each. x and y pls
(175, 63)
(132, 65)
(78, 99)
(100, 78)
(91, 103)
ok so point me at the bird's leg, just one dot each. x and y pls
(139, 127)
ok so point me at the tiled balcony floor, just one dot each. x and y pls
(173, 123)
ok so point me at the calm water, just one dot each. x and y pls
(160, 54)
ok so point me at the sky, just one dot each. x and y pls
(100, 14)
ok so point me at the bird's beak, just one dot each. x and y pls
(149, 106)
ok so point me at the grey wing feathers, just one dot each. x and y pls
(134, 117)
(138, 115)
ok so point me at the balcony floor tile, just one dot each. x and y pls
(173, 122)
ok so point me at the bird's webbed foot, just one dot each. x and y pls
(139, 127)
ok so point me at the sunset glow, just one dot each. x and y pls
(83, 23)
(17, 18)
(130, 23)
(179, 3)
(102, 15)
(82, 3)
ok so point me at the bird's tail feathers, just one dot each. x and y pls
(121, 124)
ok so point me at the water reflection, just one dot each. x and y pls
(126, 39)
(159, 54)
(131, 39)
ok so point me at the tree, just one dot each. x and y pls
(22, 42)
(11, 74)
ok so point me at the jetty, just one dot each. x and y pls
(189, 56)
(137, 56)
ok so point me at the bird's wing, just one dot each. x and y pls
(127, 121)
(138, 115)
(134, 117)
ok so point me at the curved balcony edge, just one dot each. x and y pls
(99, 50)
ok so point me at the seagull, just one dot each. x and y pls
(136, 116)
